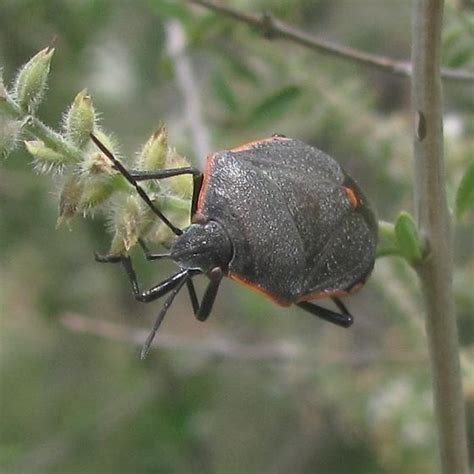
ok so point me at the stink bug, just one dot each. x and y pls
(277, 215)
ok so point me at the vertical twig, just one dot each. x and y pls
(189, 89)
(433, 218)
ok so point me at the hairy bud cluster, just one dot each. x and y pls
(90, 181)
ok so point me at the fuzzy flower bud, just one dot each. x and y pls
(80, 119)
(46, 159)
(3, 91)
(162, 234)
(154, 153)
(97, 189)
(100, 178)
(69, 198)
(130, 221)
(31, 81)
(99, 181)
(182, 185)
(9, 132)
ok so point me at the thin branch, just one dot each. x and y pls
(225, 348)
(273, 29)
(38, 129)
(431, 208)
(211, 346)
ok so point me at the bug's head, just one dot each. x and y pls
(202, 247)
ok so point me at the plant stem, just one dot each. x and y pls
(273, 28)
(39, 130)
(432, 213)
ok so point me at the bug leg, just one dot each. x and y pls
(159, 319)
(131, 179)
(343, 319)
(342, 308)
(148, 295)
(207, 302)
(189, 283)
(143, 296)
(197, 185)
(140, 175)
(192, 295)
(169, 173)
(155, 292)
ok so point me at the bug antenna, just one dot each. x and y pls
(161, 315)
(126, 174)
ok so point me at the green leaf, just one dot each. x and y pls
(200, 29)
(170, 8)
(465, 192)
(224, 92)
(451, 36)
(238, 66)
(387, 244)
(276, 104)
(408, 238)
(461, 56)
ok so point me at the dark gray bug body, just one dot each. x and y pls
(300, 228)
(277, 215)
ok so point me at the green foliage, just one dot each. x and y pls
(408, 238)
(275, 105)
(458, 39)
(387, 244)
(465, 192)
(224, 92)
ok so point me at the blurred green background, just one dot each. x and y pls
(257, 389)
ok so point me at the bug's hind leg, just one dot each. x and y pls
(343, 319)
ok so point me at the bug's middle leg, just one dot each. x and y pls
(203, 309)
(139, 175)
(207, 302)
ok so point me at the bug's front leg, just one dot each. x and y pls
(145, 296)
